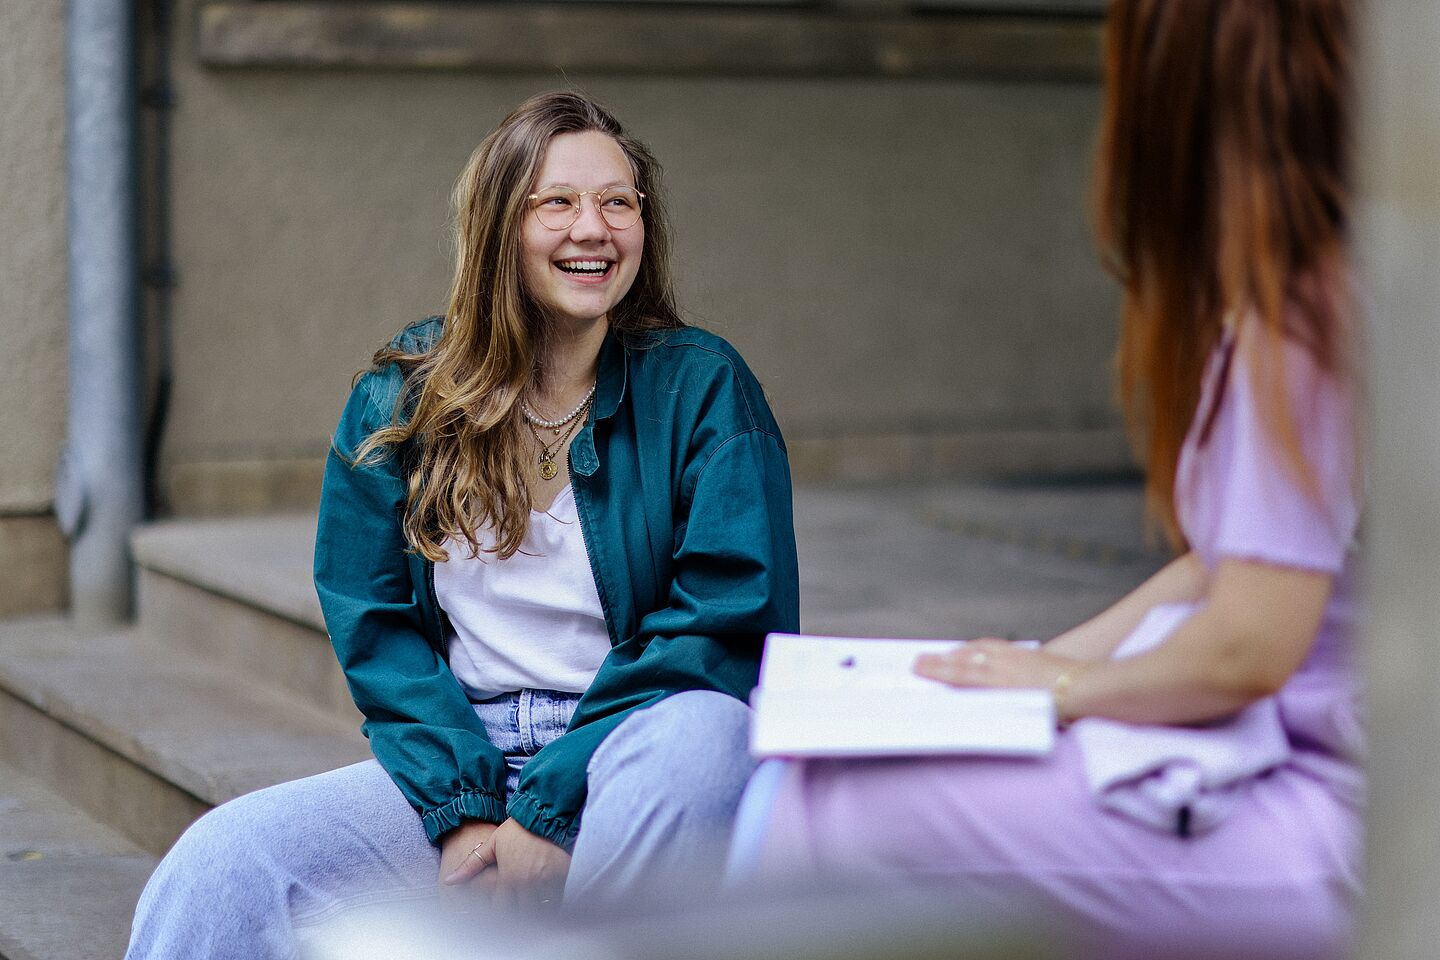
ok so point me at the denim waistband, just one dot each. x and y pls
(523, 722)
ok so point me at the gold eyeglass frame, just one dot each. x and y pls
(580, 202)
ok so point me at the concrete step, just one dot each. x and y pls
(959, 561)
(144, 736)
(939, 561)
(227, 684)
(238, 592)
(68, 883)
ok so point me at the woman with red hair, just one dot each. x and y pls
(1204, 795)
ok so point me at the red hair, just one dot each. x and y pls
(1221, 188)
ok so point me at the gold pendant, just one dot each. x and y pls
(547, 469)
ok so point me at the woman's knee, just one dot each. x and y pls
(238, 837)
(274, 830)
(697, 740)
(221, 890)
(663, 788)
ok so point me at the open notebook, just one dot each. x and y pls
(851, 697)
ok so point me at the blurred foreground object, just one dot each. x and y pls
(1399, 256)
(866, 925)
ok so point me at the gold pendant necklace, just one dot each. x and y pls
(547, 466)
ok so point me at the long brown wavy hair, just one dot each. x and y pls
(1222, 189)
(458, 422)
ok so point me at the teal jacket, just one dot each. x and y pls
(683, 489)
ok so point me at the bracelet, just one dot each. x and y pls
(1060, 691)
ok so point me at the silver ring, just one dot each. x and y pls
(979, 658)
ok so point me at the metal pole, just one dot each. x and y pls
(99, 491)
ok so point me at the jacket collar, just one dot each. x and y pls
(610, 376)
(610, 382)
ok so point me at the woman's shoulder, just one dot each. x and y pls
(692, 361)
(690, 349)
(1293, 357)
(420, 336)
(384, 380)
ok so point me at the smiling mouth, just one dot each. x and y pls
(585, 268)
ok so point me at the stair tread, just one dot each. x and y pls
(209, 731)
(52, 858)
(262, 560)
(42, 920)
(35, 819)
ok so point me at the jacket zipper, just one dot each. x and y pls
(582, 507)
(437, 626)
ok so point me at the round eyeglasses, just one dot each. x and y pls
(557, 208)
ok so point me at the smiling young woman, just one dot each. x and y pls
(579, 270)
(554, 530)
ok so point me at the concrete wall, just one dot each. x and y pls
(906, 264)
(32, 301)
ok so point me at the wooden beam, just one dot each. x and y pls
(638, 39)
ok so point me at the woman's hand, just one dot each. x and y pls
(525, 868)
(988, 662)
(464, 851)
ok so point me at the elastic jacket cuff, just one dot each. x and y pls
(530, 814)
(471, 805)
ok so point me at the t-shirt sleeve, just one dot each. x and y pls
(1271, 515)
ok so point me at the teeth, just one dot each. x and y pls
(584, 266)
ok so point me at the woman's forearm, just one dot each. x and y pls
(1253, 632)
(1181, 580)
(1170, 684)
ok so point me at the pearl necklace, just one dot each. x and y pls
(555, 425)
(547, 467)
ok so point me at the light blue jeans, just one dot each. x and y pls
(662, 793)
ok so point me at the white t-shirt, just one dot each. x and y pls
(532, 620)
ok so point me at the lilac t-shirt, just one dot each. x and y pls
(1238, 497)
